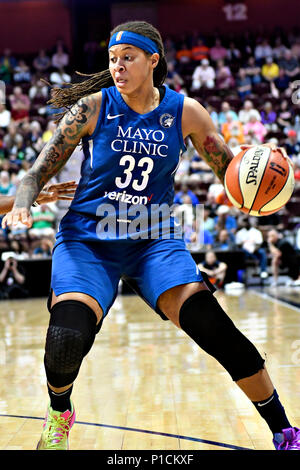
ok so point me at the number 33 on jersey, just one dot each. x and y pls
(130, 157)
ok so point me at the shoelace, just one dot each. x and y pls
(58, 428)
(291, 445)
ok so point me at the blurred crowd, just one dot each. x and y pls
(250, 87)
(26, 125)
(247, 84)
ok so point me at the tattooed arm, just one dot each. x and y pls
(198, 125)
(78, 122)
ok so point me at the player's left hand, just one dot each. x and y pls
(59, 191)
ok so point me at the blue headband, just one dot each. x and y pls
(127, 37)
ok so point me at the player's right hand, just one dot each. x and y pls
(16, 215)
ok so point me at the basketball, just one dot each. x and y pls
(259, 180)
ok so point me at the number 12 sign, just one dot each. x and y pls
(236, 12)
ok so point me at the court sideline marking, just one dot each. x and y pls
(280, 300)
(146, 431)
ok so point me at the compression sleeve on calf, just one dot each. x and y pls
(204, 320)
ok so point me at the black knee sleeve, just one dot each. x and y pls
(70, 336)
(203, 319)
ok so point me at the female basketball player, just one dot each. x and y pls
(132, 129)
(51, 193)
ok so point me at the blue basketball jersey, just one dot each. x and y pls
(127, 174)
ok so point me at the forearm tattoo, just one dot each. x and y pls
(57, 151)
(217, 155)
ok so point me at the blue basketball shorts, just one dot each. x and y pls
(95, 268)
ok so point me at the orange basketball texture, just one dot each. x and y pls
(259, 181)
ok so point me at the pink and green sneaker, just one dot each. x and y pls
(288, 439)
(56, 430)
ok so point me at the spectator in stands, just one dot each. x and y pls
(292, 144)
(185, 191)
(20, 105)
(295, 49)
(243, 84)
(285, 115)
(43, 222)
(250, 239)
(208, 221)
(224, 220)
(170, 51)
(5, 182)
(269, 117)
(42, 62)
(38, 89)
(44, 249)
(233, 53)
(200, 51)
(59, 44)
(12, 279)
(60, 59)
(232, 129)
(255, 128)
(270, 70)
(207, 239)
(13, 139)
(218, 51)
(290, 65)
(225, 110)
(283, 255)
(262, 51)
(173, 78)
(215, 269)
(282, 81)
(214, 190)
(223, 241)
(253, 71)
(224, 78)
(59, 77)
(5, 117)
(25, 166)
(279, 49)
(246, 111)
(18, 249)
(184, 54)
(7, 66)
(35, 141)
(213, 114)
(22, 72)
(203, 75)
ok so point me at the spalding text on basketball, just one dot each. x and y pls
(252, 173)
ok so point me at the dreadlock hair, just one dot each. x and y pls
(67, 96)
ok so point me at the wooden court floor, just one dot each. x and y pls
(145, 384)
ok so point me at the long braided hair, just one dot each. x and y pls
(69, 95)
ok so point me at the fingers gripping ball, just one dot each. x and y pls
(259, 180)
